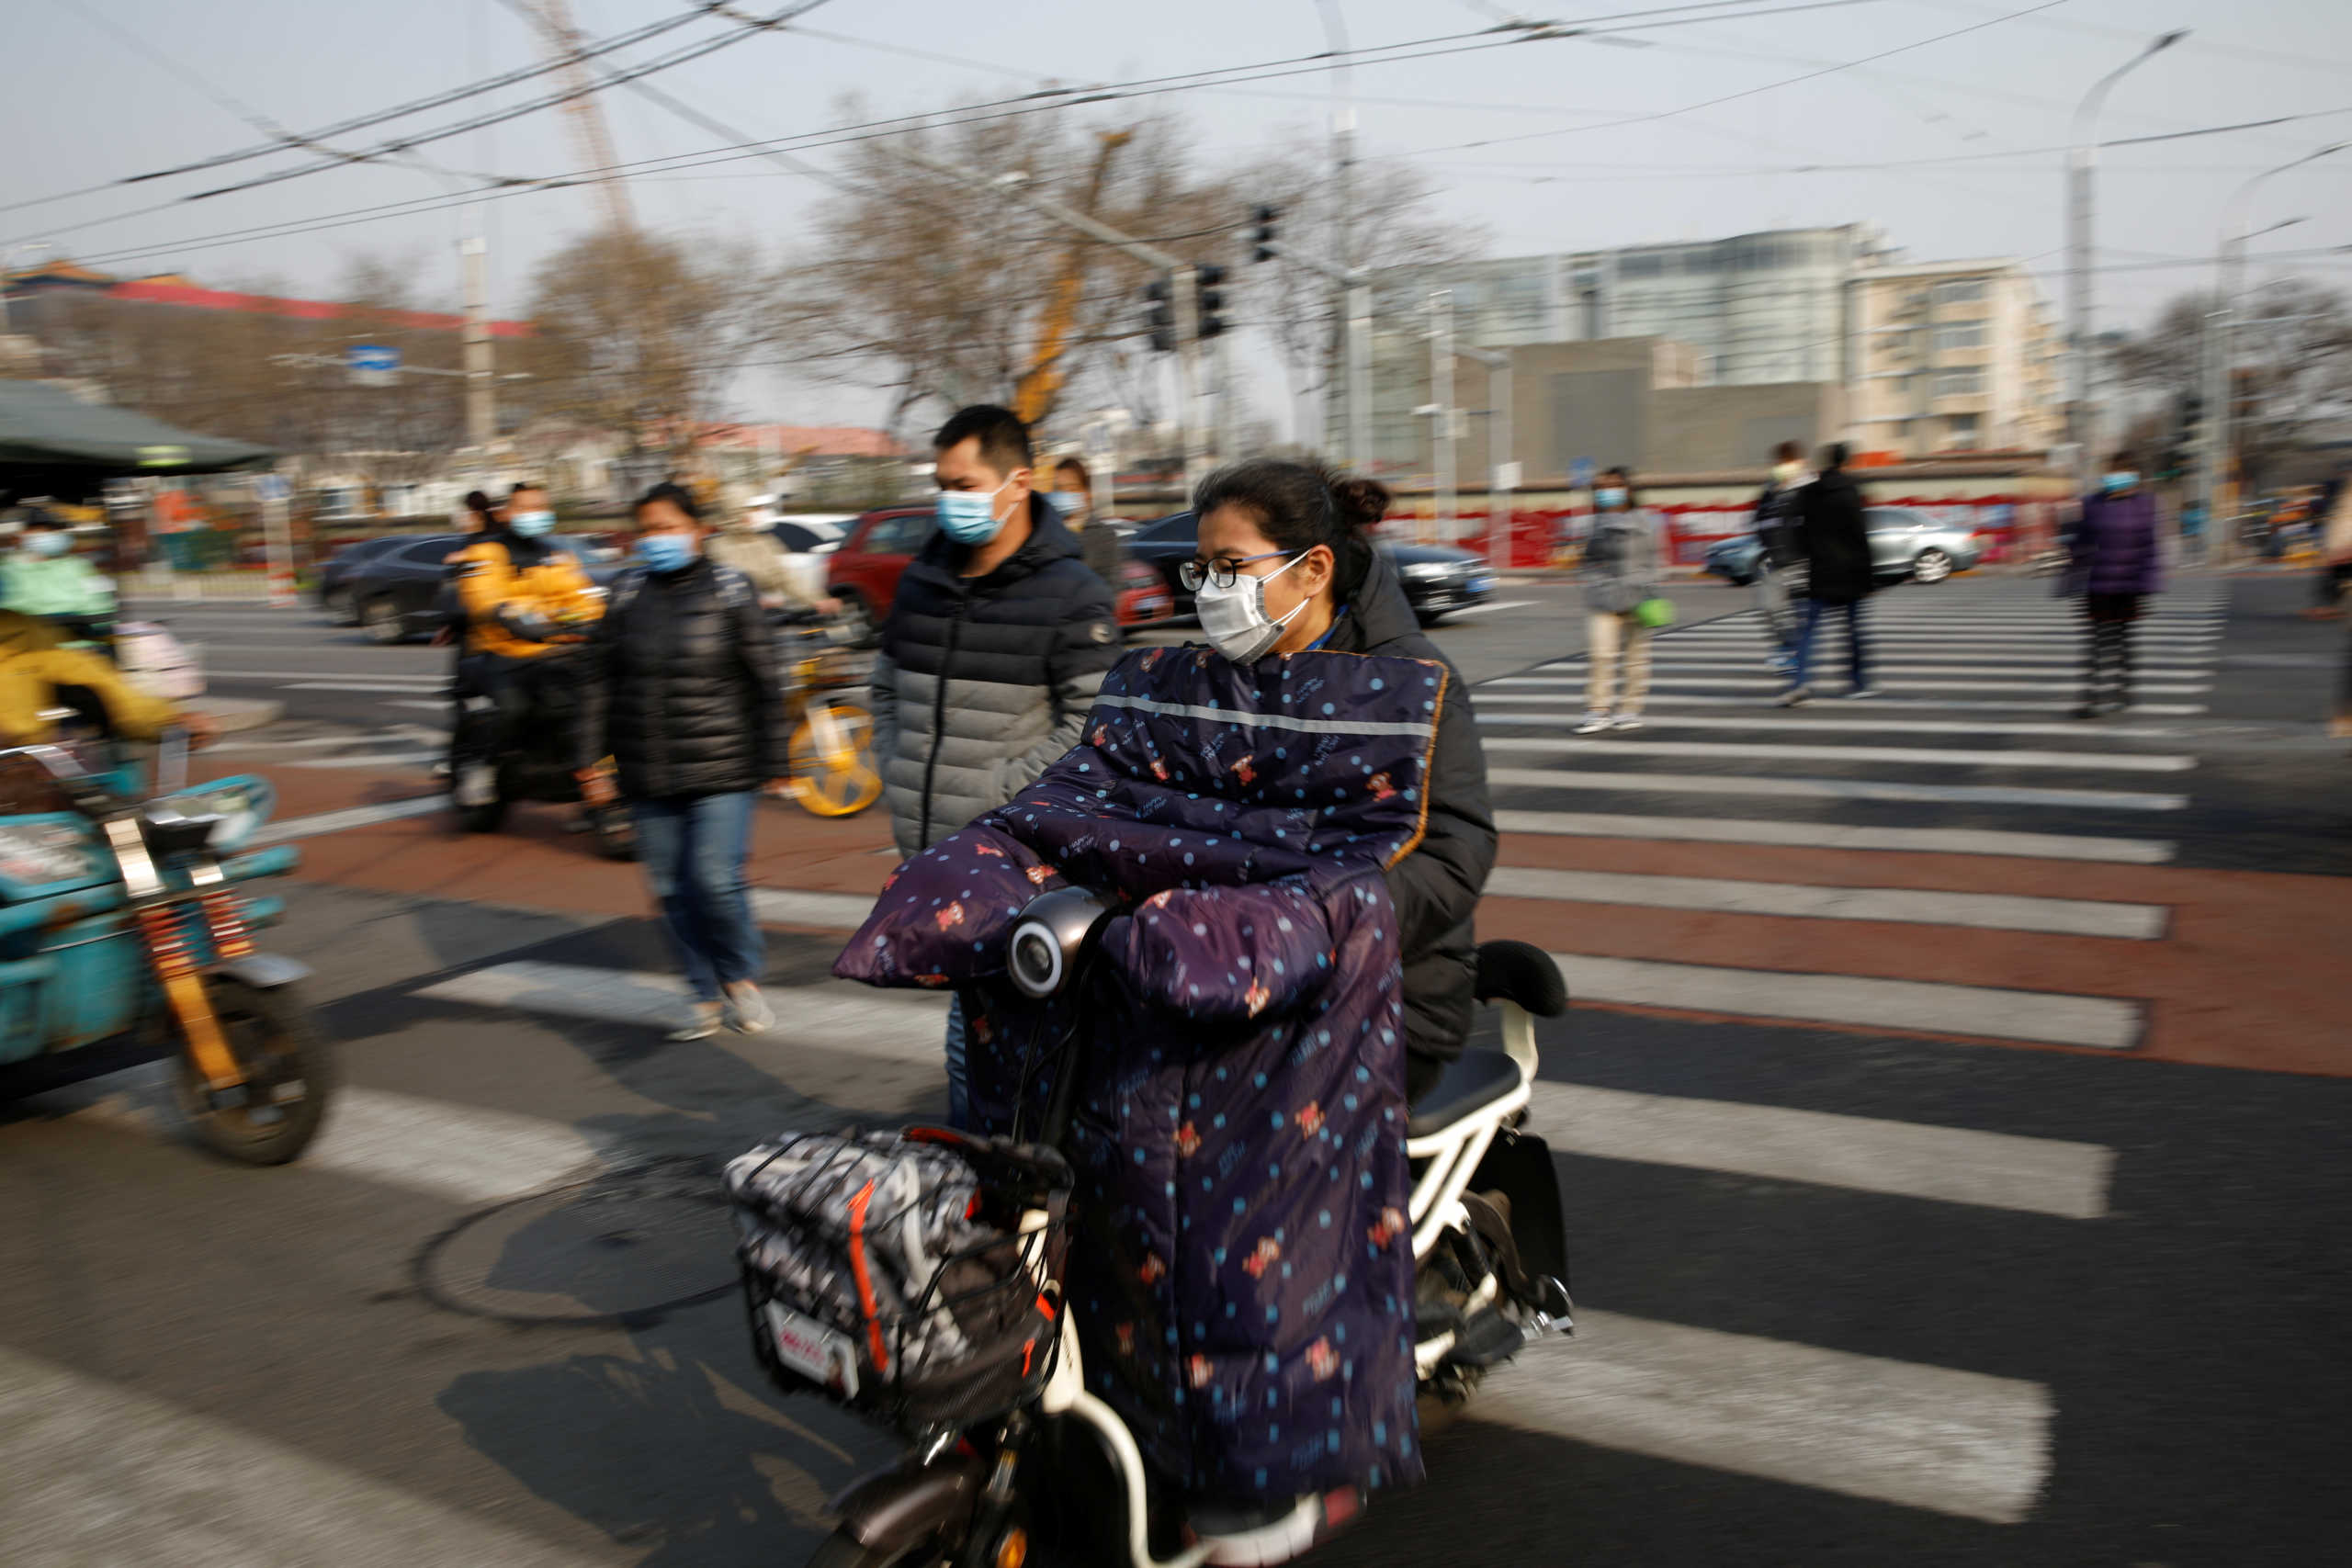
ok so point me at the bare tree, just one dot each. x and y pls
(642, 336)
(1394, 224)
(941, 290)
(2291, 366)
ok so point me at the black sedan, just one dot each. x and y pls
(1438, 580)
(333, 587)
(396, 593)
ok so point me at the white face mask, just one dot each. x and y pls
(1235, 618)
(1786, 473)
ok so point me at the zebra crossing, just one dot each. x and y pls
(1948, 1440)
(1954, 759)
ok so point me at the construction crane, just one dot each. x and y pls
(1042, 384)
(589, 133)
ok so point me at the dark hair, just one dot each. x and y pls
(1834, 456)
(676, 494)
(478, 504)
(2123, 457)
(1004, 440)
(1298, 506)
(1072, 466)
(522, 485)
(1788, 452)
(42, 517)
(1624, 478)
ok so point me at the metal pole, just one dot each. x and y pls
(2082, 160)
(481, 375)
(1184, 286)
(1358, 356)
(1502, 474)
(277, 542)
(1344, 159)
(1441, 394)
(2221, 328)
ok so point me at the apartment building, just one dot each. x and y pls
(1835, 307)
(1952, 357)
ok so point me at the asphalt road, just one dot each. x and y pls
(1853, 1292)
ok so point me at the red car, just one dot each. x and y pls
(863, 573)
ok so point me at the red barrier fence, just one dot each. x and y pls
(2013, 528)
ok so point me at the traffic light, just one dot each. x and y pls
(1264, 235)
(1157, 318)
(1211, 298)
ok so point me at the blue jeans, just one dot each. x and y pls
(1856, 649)
(694, 848)
(959, 1077)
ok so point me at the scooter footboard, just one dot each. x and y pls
(1519, 1164)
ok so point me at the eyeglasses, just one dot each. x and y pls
(1192, 574)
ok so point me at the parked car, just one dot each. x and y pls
(397, 594)
(1905, 543)
(333, 587)
(810, 536)
(863, 573)
(1438, 580)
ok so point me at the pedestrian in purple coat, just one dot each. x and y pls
(2115, 561)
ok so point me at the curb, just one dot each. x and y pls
(230, 715)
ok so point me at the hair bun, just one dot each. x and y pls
(1360, 502)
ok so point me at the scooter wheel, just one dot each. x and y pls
(843, 1550)
(274, 1039)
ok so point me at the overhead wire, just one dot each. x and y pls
(418, 139)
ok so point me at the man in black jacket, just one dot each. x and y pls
(996, 643)
(685, 692)
(1836, 543)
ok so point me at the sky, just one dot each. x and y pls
(1939, 120)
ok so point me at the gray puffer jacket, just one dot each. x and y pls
(981, 683)
(1621, 561)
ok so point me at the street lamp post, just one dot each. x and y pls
(2221, 324)
(2082, 158)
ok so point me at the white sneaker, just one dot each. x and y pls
(747, 1008)
(1594, 723)
(1626, 721)
(701, 1024)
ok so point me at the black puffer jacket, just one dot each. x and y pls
(1436, 887)
(682, 686)
(983, 682)
(1835, 540)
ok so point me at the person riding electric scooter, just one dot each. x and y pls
(528, 606)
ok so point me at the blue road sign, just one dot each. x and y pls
(1580, 474)
(373, 364)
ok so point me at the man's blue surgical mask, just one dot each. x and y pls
(47, 541)
(1608, 498)
(667, 552)
(531, 524)
(2120, 479)
(968, 516)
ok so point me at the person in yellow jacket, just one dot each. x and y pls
(34, 665)
(526, 603)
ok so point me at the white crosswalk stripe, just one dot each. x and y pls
(1838, 835)
(1931, 1438)
(1987, 911)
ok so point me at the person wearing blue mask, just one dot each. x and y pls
(43, 577)
(995, 645)
(2116, 560)
(526, 602)
(683, 688)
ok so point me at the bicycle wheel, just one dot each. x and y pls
(832, 761)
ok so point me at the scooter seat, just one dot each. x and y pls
(1472, 1081)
